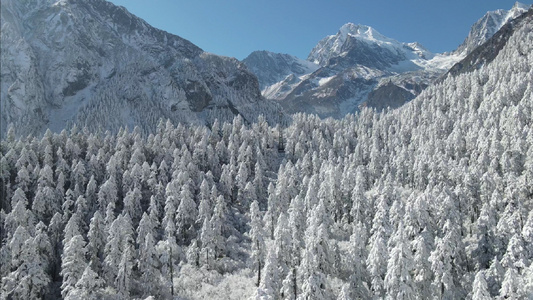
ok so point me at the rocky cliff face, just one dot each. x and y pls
(95, 64)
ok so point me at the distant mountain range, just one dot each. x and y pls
(358, 66)
(95, 64)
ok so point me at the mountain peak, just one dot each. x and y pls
(364, 45)
(517, 9)
(363, 32)
(520, 6)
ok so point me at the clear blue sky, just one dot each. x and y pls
(238, 27)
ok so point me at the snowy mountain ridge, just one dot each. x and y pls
(95, 64)
(339, 44)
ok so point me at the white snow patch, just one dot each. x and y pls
(440, 61)
(325, 80)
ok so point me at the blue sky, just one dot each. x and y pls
(238, 27)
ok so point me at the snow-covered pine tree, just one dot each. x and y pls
(186, 215)
(257, 237)
(89, 286)
(480, 290)
(73, 263)
(29, 279)
(96, 242)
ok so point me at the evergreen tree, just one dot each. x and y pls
(205, 207)
(120, 237)
(73, 263)
(398, 281)
(167, 251)
(357, 255)
(55, 233)
(186, 215)
(288, 289)
(89, 286)
(72, 228)
(515, 256)
(146, 226)
(29, 279)
(19, 215)
(207, 240)
(43, 247)
(272, 212)
(441, 265)
(527, 235)
(345, 293)
(257, 237)
(494, 277)
(107, 194)
(283, 244)
(45, 203)
(123, 281)
(96, 243)
(149, 267)
(270, 283)
(317, 261)
(512, 285)
(422, 272)
(132, 205)
(377, 258)
(480, 290)
(483, 249)
(219, 226)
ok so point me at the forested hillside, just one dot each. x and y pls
(430, 201)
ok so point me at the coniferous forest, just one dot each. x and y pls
(433, 200)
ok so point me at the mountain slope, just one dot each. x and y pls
(272, 67)
(489, 50)
(95, 64)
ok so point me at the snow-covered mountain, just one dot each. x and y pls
(95, 64)
(353, 63)
(488, 25)
(363, 45)
(361, 67)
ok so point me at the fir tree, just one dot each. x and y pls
(480, 290)
(257, 237)
(88, 286)
(73, 264)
